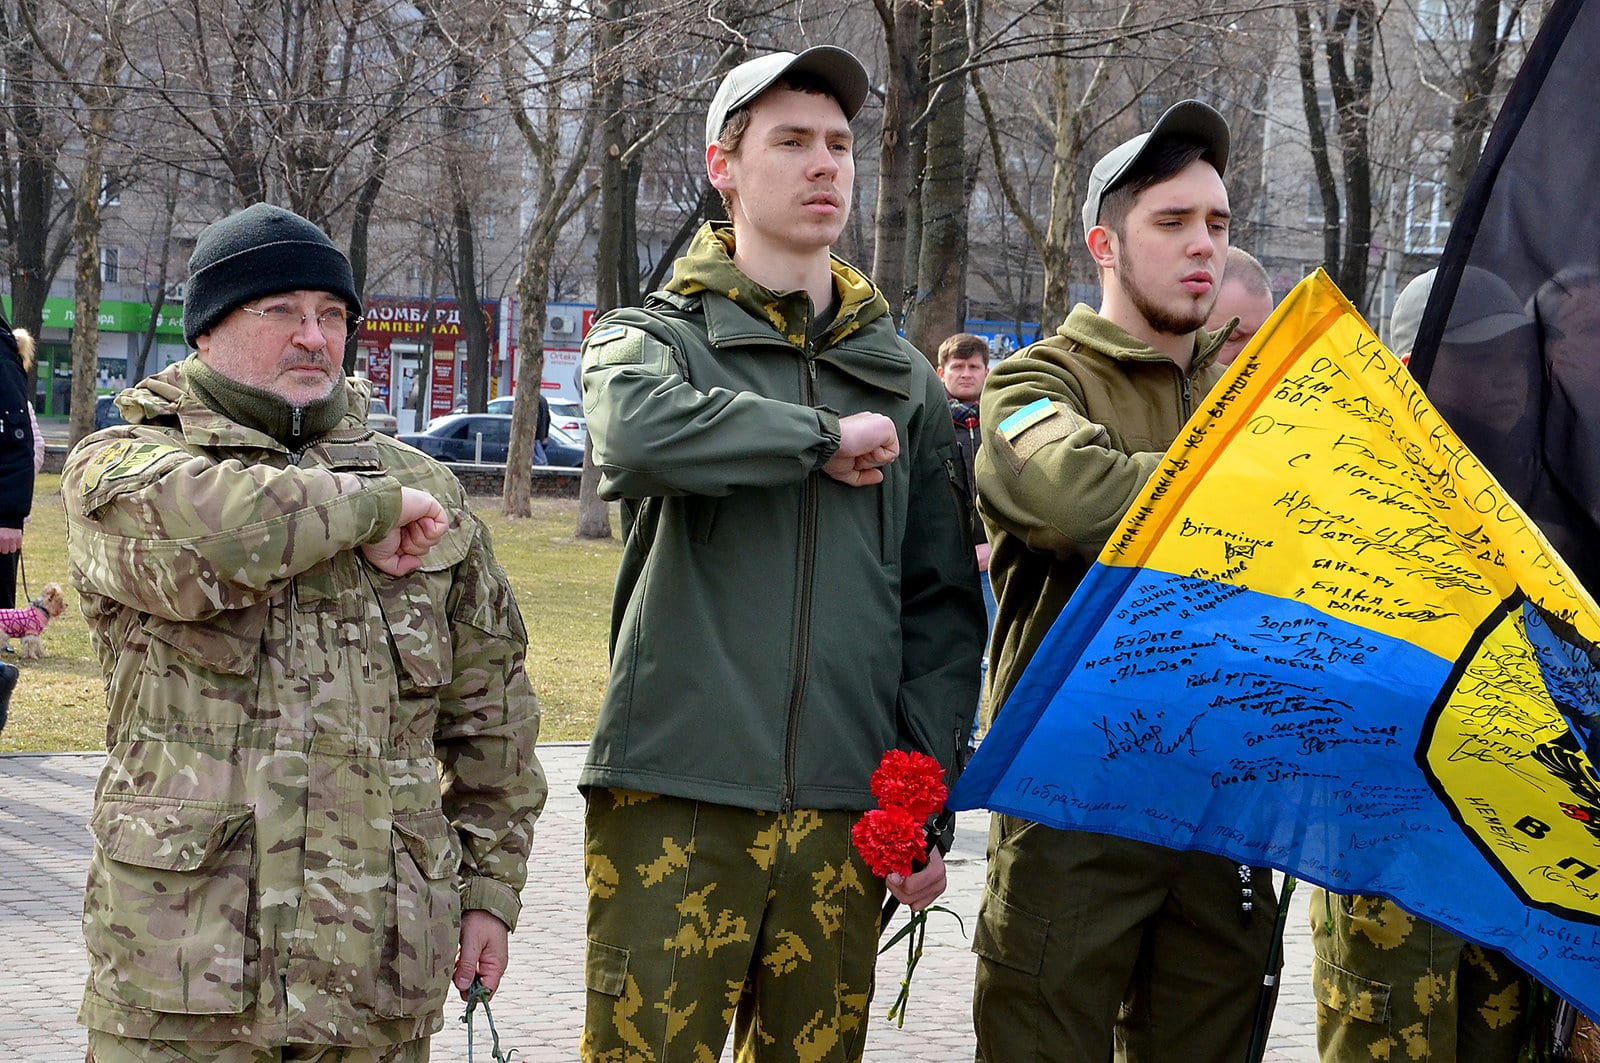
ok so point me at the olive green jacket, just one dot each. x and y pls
(775, 631)
(1072, 427)
(312, 766)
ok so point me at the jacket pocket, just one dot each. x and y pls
(169, 911)
(424, 919)
(417, 629)
(229, 642)
(1009, 936)
(605, 968)
(1349, 994)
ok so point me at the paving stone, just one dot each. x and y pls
(44, 852)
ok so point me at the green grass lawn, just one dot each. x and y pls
(562, 584)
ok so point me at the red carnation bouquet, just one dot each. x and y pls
(893, 840)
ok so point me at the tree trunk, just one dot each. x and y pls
(532, 296)
(1471, 120)
(34, 148)
(904, 99)
(936, 311)
(1327, 187)
(1351, 80)
(137, 369)
(1056, 253)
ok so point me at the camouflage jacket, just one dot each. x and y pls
(313, 766)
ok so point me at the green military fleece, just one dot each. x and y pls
(312, 766)
(1073, 426)
(775, 631)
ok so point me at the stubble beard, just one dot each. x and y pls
(1160, 319)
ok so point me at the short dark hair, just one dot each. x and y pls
(1166, 159)
(963, 345)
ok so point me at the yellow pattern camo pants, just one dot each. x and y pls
(108, 1048)
(704, 917)
(1392, 987)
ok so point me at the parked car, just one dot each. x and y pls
(106, 413)
(563, 449)
(566, 414)
(467, 437)
(379, 419)
(464, 437)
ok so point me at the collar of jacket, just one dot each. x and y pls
(165, 396)
(873, 354)
(1085, 325)
(707, 266)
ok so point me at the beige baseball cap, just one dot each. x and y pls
(841, 70)
(1188, 119)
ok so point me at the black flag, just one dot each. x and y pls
(1524, 253)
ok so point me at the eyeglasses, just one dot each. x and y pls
(335, 319)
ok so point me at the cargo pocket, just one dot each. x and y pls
(605, 968)
(169, 911)
(424, 920)
(1009, 936)
(1348, 993)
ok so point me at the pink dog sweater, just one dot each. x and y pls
(29, 620)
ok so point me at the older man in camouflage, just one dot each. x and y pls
(321, 783)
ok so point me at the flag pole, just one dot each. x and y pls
(1267, 1002)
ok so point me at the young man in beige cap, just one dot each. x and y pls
(1076, 927)
(797, 596)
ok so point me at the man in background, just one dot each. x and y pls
(1245, 294)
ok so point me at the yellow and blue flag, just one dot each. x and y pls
(1325, 639)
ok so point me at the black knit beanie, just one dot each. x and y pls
(261, 250)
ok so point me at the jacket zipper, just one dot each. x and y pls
(1187, 397)
(802, 646)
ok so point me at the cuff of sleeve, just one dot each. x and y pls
(832, 436)
(494, 897)
(385, 493)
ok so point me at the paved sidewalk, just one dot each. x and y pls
(44, 848)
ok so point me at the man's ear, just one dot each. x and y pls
(719, 168)
(1102, 246)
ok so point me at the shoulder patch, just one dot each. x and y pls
(1025, 418)
(124, 458)
(616, 345)
(1028, 430)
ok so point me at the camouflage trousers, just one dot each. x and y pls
(1392, 987)
(109, 1048)
(705, 916)
(1090, 945)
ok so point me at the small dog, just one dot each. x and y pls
(28, 623)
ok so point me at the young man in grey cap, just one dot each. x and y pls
(1076, 927)
(320, 780)
(797, 596)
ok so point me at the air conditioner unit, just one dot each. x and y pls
(562, 325)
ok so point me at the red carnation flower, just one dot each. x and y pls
(890, 840)
(910, 781)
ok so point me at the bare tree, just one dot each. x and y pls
(542, 51)
(32, 137)
(1347, 32)
(94, 72)
(297, 104)
(937, 308)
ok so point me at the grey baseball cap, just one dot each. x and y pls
(1188, 119)
(842, 72)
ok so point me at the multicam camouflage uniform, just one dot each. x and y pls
(273, 862)
(1392, 987)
